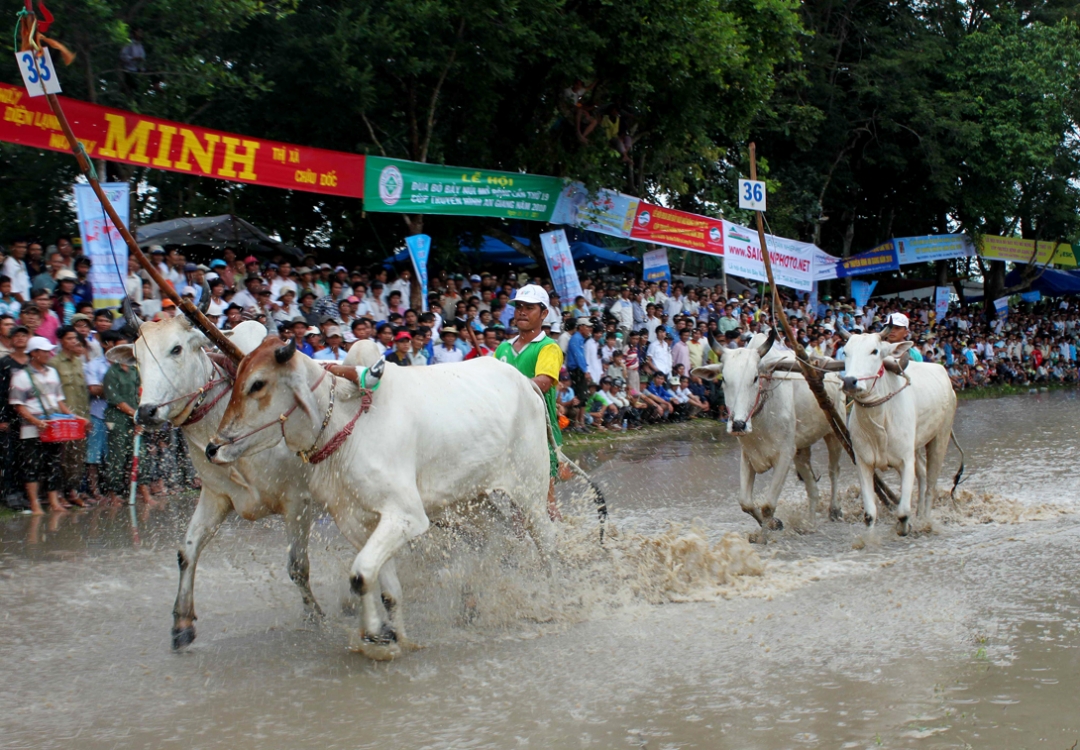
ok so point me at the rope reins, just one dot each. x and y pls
(879, 401)
(195, 405)
(311, 455)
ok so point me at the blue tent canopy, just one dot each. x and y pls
(1052, 283)
(586, 256)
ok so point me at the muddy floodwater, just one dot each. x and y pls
(677, 634)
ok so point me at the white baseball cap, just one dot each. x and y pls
(39, 344)
(898, 319)
(531, 293)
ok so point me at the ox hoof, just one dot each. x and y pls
(774, 524)
(382, 647)
(903, 527)
(183, 637)
(868, 520)
(314, 614)
(350, 606)
(835, 514)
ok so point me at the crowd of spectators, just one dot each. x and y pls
(630, 347)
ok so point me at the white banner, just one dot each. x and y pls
(792, 261)
(941, 303)
(561, 265)
(101, 241)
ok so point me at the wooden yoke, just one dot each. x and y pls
(813, 376)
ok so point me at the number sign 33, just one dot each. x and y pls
(39, 76)
(752, 195)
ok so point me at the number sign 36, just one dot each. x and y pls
(752, 195)
(39, 78)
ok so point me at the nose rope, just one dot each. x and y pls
(878, 402)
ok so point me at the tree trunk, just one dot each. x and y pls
(993, 286)
(942, 268)
(849, 237)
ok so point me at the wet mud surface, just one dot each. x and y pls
(676, 634)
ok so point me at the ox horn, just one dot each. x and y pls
(844, 333)
(716, 345)
(764, 348)
(284, 353)
(204, 300)
(375, 372)
(132, 319)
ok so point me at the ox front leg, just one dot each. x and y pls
(907, 484)
(298, 519)
(780, 473)
(747, 475)
(866, 487)
(390, 592)
(209, 513)
(396, 526)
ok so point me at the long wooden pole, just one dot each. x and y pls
(812, 376)
(187, 306)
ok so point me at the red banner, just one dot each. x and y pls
(116, 135)
(665, 226)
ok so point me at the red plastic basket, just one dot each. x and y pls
(63, 430)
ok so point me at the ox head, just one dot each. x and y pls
(866, 357)
(272, 399)
(172, 364)
(741, 372)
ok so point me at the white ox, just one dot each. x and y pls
(897, 414)
(183, 385)
(776, 419)
(434, 437)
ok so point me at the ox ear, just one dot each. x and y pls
(122, 354)
(708, 372)
(900, 348)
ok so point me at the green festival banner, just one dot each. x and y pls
(400, 186)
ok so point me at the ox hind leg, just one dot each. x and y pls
(935, 460)
(401, 520)
(806, 473)
(835, 452)
(776, 486)
(298, 519)
(209, 513)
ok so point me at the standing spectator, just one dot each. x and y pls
(419, 354)
(83, 291)
(15, 360)
(9, 303)
(121, 390)
(36, 393)
(659, 354)
(49, 322)
(15, 269)
(680, 351)
(69, 366)
(593, 360)
(97, 440)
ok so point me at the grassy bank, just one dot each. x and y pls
(998, 391)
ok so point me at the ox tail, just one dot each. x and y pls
(598, 496)
(960, 471)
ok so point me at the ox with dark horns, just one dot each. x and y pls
(434, 438)
(776, 420)
(185, 385)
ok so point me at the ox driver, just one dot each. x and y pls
(539, 358)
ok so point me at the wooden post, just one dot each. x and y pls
(812, 376)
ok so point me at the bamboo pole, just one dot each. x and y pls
(187, 306)
(812, 376)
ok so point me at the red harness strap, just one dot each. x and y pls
(201, 411)
(339, 439)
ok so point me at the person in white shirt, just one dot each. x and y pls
(247, 297)
(653, 322)
(447, 351)
(402, 284)
(15, 269)
(133, 284)
(674, 304)
(376, 307)
(659, 353)
(623, 311)
(286, 308)
(593, 362)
